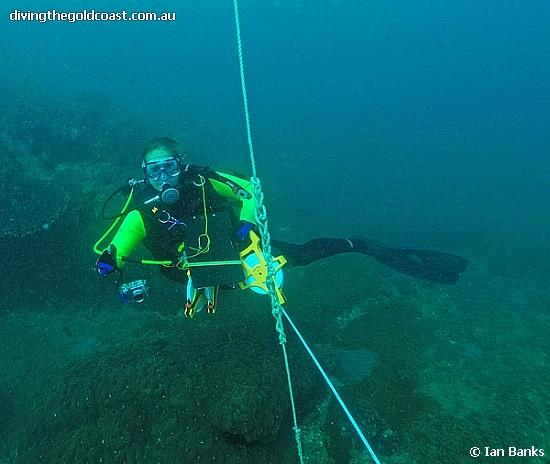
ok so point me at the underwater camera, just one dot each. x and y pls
(133, 292)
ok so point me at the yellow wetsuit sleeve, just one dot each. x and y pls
(130, 233)
(248, 207)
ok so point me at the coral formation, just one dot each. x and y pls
(173, 397)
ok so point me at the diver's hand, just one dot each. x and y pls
(106, 263)
(243, 230)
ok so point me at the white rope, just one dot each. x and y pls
(261, 219)
(276, 308)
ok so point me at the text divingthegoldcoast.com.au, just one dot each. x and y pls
(90, 15)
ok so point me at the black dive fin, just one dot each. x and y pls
(434, 266)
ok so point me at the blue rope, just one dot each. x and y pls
(333, 388)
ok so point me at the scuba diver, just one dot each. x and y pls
(199, 226)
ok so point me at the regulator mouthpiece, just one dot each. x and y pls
(170, 195)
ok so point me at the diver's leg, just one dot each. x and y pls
(434, 266)
(318, 248)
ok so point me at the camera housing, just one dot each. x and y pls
(133, 292)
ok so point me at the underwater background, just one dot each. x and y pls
(422, 124)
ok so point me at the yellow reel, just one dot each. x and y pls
(255, 269)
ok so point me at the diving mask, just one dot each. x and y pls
(154, 169)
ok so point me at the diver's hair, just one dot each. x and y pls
(168, 144)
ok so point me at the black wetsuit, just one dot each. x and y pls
(164, 238)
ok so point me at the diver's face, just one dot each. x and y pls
(162, 172)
